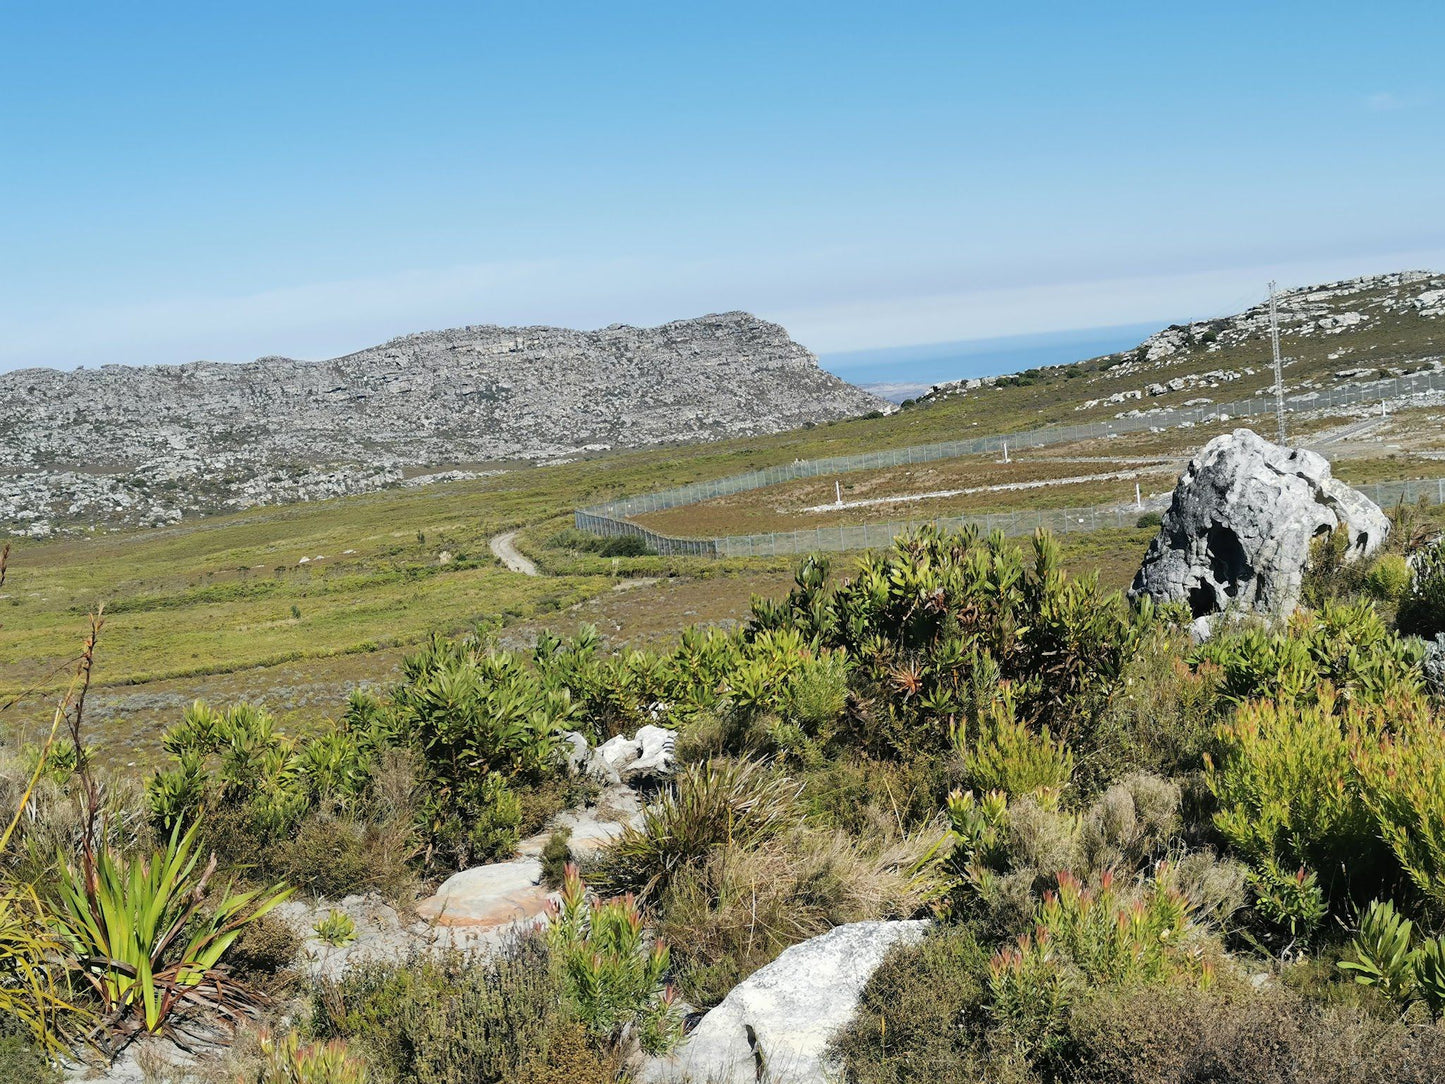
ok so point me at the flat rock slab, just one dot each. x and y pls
(488, 896)
(776, 1025)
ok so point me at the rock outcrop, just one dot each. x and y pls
(646, 756)
(776, 1025)
(1434, 664)
(1238, 531)
(146, 445)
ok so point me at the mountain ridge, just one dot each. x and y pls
(123, 444)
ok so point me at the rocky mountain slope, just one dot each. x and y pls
(1356, 330)
(146, 445)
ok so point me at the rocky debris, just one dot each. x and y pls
(504, 895)
(645, 756)
(383, 934)
(1431, 303)
(1434, 664)
(1238, 530)
(776, 1024)
(206, 436)
(587, 762)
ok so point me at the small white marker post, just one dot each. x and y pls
(838, 493)
(1383, 412)
(1138, 498)
(1005, 451)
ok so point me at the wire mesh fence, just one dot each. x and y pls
(611, 519)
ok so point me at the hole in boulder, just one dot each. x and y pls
(1202, 600)
(1226, 558)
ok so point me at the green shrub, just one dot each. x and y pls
(1345, 647)
(1388, 578)
(1150, 519)
(1422, 607)
(1399, 757)
(933, 624)
(626, 546)
(1351, 791)
(614, 979)
(336, 928)
(486, 730)
(1008, 757)
(556, 855)
(1284, 784)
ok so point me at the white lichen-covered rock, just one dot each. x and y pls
(646, 755)
(655, 745)
(1434, 664)
(776, 1025)
(1238, 532)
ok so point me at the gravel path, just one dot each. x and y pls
(508, 554)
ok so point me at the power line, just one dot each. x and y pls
(1278, 365)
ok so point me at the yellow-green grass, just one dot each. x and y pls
(799, 504)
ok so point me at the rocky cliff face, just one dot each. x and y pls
(146, 445)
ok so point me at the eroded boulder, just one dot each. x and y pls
(1434, 664)
(646, 755)
(1238, 531)
(775, 1025)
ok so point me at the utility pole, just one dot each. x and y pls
(1278, 365)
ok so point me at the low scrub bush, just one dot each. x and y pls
(1181, 1035)
(1003, 853)
(921, 1017)
(708, 805)
(1388, 578)
(442, 1018)
(1090, 939)
(1160, 720)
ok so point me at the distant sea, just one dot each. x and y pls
(905, 372)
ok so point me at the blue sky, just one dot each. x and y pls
(193, 180)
